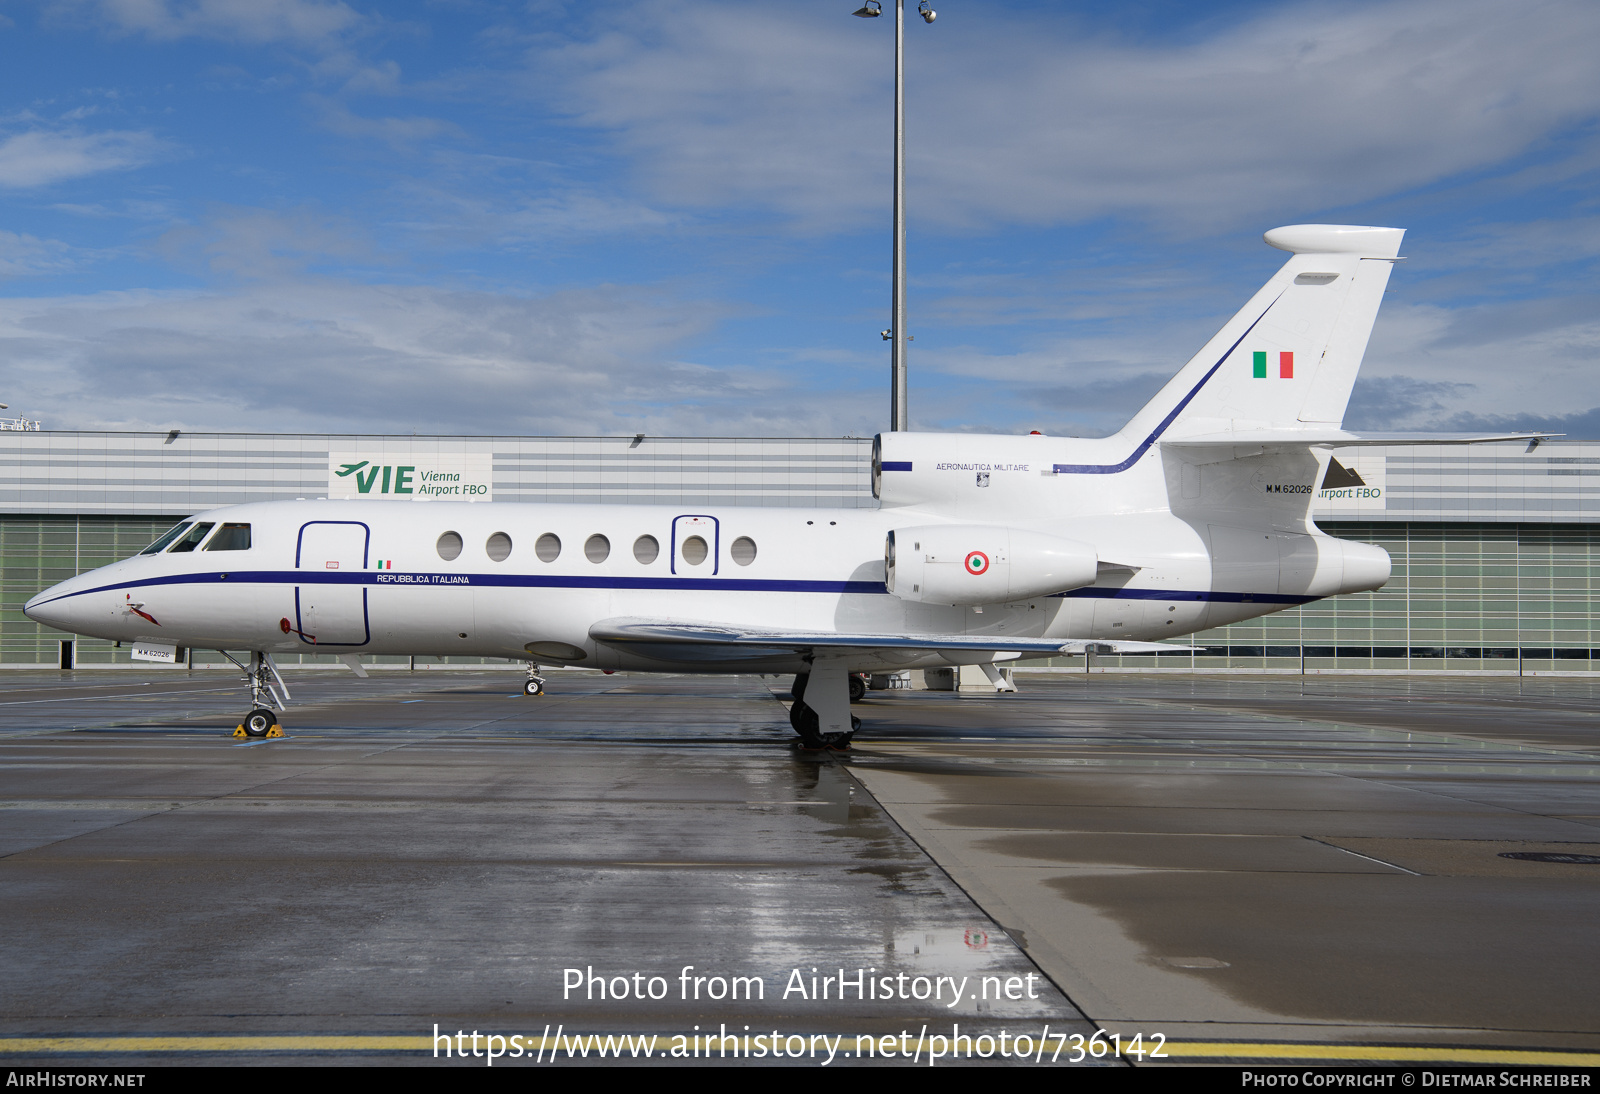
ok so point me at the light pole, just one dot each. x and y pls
(896, 334)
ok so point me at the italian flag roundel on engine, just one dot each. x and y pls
(977, 563)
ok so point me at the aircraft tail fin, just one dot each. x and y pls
(1289, 358)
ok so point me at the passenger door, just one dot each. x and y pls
(331, 608)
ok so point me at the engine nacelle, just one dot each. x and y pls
(969, 564)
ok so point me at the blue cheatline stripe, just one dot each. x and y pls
(457, 581)
(1155, 435)
(410, 580)
(896, 465)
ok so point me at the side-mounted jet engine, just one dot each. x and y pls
(973, 564)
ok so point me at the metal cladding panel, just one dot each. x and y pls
(101, 474)
(1554, 481)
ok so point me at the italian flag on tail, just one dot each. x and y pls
(1285, 365)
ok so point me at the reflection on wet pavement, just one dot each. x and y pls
(435, 848)
(1317, 859)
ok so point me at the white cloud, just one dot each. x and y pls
(399, 132)
(352, 358)
(457, 216)
(40, 157)
(1537, 358)
(265, 244)
(23, 255)
(1475, 328)
(304, 22)
(1035, 121)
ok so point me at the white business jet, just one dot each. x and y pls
(984, 548)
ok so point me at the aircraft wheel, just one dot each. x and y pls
(533, 687)
(858, 688)
(804, 721)
(259, 722)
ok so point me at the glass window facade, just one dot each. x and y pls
(37, 552)
(1463, 597)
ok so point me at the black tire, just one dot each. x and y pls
(858, 688)
(259, 722)
(533, 687)
(805, 723)
(801, 716)
(798, 688)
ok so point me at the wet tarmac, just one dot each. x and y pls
(436, 849)
(1254, 868)
(1249, 859)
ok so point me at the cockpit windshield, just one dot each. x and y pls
(230, 537)
(192, 540)
(161, 544)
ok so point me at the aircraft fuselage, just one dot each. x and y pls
(371, 578)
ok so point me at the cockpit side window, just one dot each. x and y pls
(230, 537)
(192, 540)
(161, 544)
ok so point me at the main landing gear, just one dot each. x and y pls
(262, 676)
(821, 710)
(858, 686)
(535, 683)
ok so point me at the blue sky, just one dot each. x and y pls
(672, 217)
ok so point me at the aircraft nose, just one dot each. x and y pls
(55, 607)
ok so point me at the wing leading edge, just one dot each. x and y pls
(723, 642)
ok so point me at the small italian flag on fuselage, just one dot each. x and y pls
(386, 564)
(1285, 365)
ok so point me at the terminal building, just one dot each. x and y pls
(1496, 547)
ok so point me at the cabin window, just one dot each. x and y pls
(499, 547)
(743, 550)
(161, 544)
(230, 537)
(694, 550)
(449, 546)
(646, 550)
(548, 547)
(190, 541)
(597, 548)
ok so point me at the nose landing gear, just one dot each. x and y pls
(259, 723)
(262, 677)
(535, 683)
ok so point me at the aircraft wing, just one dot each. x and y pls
(722, 642)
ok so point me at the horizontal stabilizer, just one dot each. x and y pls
(1339, 438)
(720, 641)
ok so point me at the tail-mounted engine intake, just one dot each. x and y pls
(982, 564)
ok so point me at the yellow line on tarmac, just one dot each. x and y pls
(1417, 1054)
(1176, 1051)
(349, 1043)
(17, 1046)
